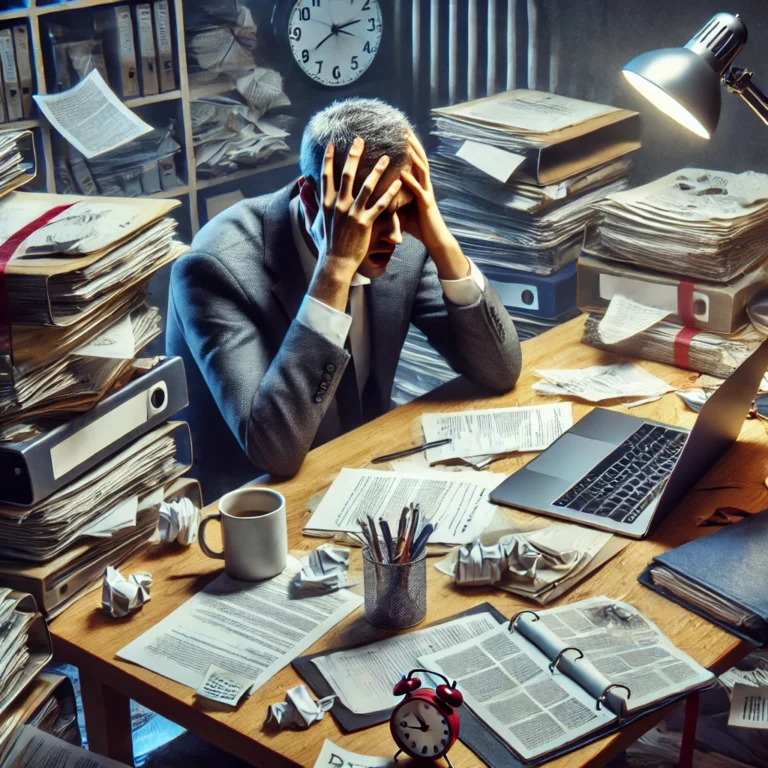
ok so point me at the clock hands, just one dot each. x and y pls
(348, 24)
(336, 28)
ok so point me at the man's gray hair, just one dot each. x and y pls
(384, 129)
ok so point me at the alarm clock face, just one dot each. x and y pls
(335, 41)
(420, 729)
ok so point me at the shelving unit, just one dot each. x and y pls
(188, 191)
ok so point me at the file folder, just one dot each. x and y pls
(120, 52)
(548, 297)
(24, 67)
(31, 471)
(164, 45)
(147, 55)
(10, 77)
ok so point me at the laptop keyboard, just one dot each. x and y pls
(626, 481)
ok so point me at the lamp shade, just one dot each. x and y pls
(680, 83)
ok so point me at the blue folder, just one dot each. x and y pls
(732, 564)
(540, 296)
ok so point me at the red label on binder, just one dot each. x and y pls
(685, 302)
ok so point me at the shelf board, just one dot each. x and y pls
(70, 5)
(142, 101)
(16, 13)
(19, 125)
(244, 174)
(216, 89)
(170, 193)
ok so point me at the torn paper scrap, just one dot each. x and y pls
(626, 317)
(749, 707)
(299, 710)
(91, 117)
(324, 569)
(497, 163)
(179, 521)
(223, 685)
(333, 756)
(121, 596)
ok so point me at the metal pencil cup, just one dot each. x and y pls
(395, 593)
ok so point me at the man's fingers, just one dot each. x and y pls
(350, 171)
(328, 188)
(386, 199)
(417, 147)
(370, 183)
(419, 164)
(413, 183)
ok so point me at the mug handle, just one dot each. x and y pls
(201, 537)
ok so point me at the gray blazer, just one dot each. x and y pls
(233, 303)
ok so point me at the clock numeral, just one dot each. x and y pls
(367, 47)
(304, 14)
(319, 66)
(295, 33)
(305, 55)
(355, 64)
(366, 6)
(337, 72)
(315, 3)
(371, 25)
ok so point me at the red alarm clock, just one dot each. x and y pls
(425, 724)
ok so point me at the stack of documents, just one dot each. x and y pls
(17, 160)
(710, 225)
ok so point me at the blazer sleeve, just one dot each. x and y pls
(273, 403)
(479, 341)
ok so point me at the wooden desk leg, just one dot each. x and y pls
(688, 742)
(107, 720)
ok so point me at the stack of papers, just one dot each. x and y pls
(17, 164)
(673, 344)
(33, 748)
(709, 225)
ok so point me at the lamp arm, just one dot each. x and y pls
(739, 81)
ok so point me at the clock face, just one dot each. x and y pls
(421, 729)
(335, 41)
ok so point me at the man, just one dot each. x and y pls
(295, 305)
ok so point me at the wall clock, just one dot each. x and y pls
(335, 41)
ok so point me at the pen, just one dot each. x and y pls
(387, 534)
(375, 539)
(421, 540)
(410, 451)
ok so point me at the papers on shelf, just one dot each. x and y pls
(363, 677)
(602, 382)
(91, 117)
(121, 596)
(498, 430)
(332, 756)
(34, 748)
(456, 503)
(16, 147)
(749, 707)
(299, 710)
(202, 631)
(626, 317)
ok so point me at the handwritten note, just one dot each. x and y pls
(223, 686)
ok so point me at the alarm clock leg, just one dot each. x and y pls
(447, 760)
(399, 751)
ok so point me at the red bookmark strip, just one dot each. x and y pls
(7, 249)
(682, 345)
(685, 302)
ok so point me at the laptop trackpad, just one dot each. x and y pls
(571, 457)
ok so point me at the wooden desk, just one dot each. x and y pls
(85, 637)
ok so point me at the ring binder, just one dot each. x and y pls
(604, 694)
(553, 664)
(513, 620)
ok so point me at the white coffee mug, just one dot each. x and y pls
(254, 532)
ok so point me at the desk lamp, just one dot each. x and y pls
(685, 84)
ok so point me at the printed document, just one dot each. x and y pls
(626, 317)
(91, 117)
(363, 677)
(251, 628)
(749, 707)
(333, 756)
(497, 430)
(34, 748)
(456, 504)
(602, 382)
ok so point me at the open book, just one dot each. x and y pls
(557, 678)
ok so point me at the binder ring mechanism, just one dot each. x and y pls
(604, 695)
(513, 621)
(553, 665)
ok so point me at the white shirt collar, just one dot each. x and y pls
(306, 256)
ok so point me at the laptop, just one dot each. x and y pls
(624, 474)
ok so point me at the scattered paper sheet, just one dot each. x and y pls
(456, 504)
(299, 710)
(602, 382)
(332, 756)
(91, 117)
(323, 570)
(116, 343)
(498, 430)
(223, 686)
(121, 596)
(34, 748)
(363, 677)
(749, 707)
(498, 163)
(203, 630)
(626, 317)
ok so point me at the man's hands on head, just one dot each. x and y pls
(342, 227)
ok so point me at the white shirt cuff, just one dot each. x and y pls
(467, 290)
(327, 321)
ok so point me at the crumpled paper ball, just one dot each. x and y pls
(179, 521)
(323, 570)
(121, 596)
(299, 710)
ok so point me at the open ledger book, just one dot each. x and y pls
(561, 677)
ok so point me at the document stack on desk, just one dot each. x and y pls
(669, 268)
(85, 448)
